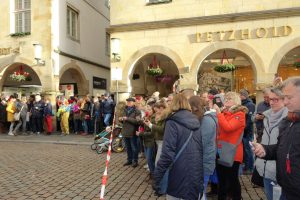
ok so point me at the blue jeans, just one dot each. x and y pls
(268, 187)
(205, 182)
(107, 119)
(149, 157)
(131, 148)
(248, 153)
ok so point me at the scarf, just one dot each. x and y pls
(275, 117)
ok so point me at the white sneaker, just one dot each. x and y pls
(10, 133)
(145, 166)
(38, 133)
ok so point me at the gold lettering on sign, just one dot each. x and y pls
(209, 37)
(221, 35)
(274, 32)
(261, 32)
(287, 30)
(245, 34)
(198, 37)
(4, 51)
(231, 35)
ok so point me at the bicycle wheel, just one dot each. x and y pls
(118, 145)
(99, 149)
(93, 146)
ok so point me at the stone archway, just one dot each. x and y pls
(248, 51)
(130, 64)
(282, 51)
(71, 73)
(31, 85)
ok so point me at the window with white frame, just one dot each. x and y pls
(72, 23)
(107, 44)
(22, 15)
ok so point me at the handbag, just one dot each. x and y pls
(226, 152)
(163, 185)
(256, 179)
(18, 115)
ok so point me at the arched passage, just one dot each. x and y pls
(246, 51)
(25, 82)
(150, 51)
(72, 80)
(284, 58)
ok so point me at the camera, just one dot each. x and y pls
(218, 101)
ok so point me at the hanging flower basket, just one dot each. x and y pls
(154, 71)
(153, 68)
(224, 67)
(297, 63)
(20, 75)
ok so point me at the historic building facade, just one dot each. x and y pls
(59, 47)
(187, 39)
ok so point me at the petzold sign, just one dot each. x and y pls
(244, 34)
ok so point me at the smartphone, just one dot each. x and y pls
(218, 102)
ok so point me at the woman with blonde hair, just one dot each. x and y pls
(232, 121)
(181, 153)
(11, 109)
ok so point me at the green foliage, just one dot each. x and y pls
(20, 34)
(223, 68)
(154, 71)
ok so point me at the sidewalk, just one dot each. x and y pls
(55, 138)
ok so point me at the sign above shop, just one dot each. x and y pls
(99, 83)
(243, 34)
(5, 51)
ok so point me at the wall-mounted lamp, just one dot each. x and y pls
(38, 49)
(115, 49)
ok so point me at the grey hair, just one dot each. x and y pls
(277, 91)
(294, 80)
(266, 90)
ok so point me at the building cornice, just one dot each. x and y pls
(81, 59)
(214, 19)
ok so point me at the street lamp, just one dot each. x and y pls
(115, 49)
(116, 75)
(38, 49)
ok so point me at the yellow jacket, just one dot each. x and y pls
(11, 109)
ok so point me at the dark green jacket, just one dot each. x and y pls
(158, 129)
(131, 124)
(148, 136)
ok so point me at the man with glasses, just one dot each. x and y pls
(287, 150)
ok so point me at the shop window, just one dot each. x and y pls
(72, 23)
(22, 16)
(107, 44)
(148, 2)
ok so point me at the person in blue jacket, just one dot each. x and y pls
(186, 174)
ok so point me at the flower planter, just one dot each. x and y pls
(223, 68)
(155, 71)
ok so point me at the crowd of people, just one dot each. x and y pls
(35, 114)
(192, 141)
(189, 141)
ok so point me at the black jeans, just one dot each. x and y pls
(37, 125)
(229, 182)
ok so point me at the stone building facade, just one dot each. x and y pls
(190, 37)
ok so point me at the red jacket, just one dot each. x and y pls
(232, 124)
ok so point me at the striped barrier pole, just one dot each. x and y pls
(104, 177)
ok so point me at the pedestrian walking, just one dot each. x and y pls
(11, 109)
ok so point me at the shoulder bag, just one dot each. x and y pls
(18, 114)
(163, 185)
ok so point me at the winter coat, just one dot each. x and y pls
(261, 107)
(48, 110)
(209, 129)
(11, 109)
(148, 136)
(3, 113)
(288, 143)
(158, 129)
(108, 106)
(232, 124)
(265, 168)
(22, 110)
(37, 109)
(186, 174)
(251, 109)
(131, 124)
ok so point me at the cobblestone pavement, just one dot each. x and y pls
(45, 170)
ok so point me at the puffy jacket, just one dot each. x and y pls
(11, 109)
(288, 142)
(38, 109)
(232, 124)
(265, 168)
(131, 124)
(186, 175)
(108, 106)
(208, 130)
